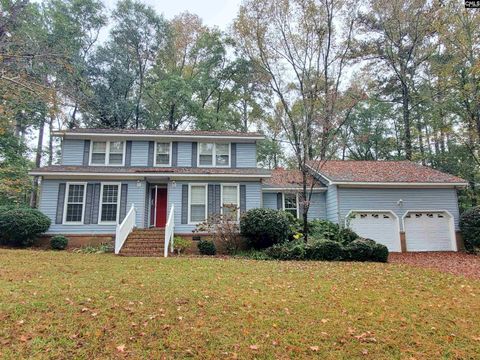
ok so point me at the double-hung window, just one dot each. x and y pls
(290, 203)
(107, 153)
(109, 201)
(74, 203)
(214, 154)
(163, 153)
(230, 201)
(197, 207)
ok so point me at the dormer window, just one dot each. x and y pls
(110, 153)
(214, 154)
(163, 151)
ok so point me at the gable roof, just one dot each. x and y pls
(288, 179)
(382, 172)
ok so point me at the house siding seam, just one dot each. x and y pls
(387, 199)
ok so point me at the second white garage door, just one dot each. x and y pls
(381, 226)
(429, 231)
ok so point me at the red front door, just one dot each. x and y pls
(159, 207)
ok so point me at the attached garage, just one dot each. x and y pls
(429, 231)
(381, 226)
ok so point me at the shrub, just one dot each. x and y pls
(19, 226)
(207, 247)
(265, 227)
(293, 250)
(360, 249)
(347, 235)
(470, 227)
(324, 250)
(58, 242)
(253, 254)
(380, 253)
(323, 229)
(180, 244)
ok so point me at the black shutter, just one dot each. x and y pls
(211, 199)
(217, 199)
(123, 202)
(87, 218)
(174, 154)
(151, 149)
(279, 201)
(95, 203)
(86, 152)
(233, 148)
(184, 204)
(60, 203)
(194, 154)
(243, 198)
(128, 153)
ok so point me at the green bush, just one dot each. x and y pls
(347, 235)
(207, 247)
(58, 242)
(265, 227)
(324, 250)
(470, 227)
(323, 229)
(293, 250)
(360, 250)
(180, 244)
(19, 226)
(380, 253)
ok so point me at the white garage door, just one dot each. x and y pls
(379, 226)
(429, 231)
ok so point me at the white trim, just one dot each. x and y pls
(451, 225)
(65, 203)
(100, 203)
(107, 153)
(169, 154)
(296, 199)
(278, 189)
(156, 136)
(214, 155)
(238, 197)
(189, 202)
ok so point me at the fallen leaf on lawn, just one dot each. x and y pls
(253, 347)
(20, 322)
(314, 348)
(121, 348)
(476, 338)
(324, 321)
(24, 338)
(364, 352)
(274, 343)
(84, 309)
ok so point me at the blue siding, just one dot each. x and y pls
(246, 155)
(317, 208)
(253, 197)
(386, 199)
(72, 152)
(139, 153)
(184, 154)
(48, 205)
(332, 203)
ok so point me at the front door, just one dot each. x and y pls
(158, 211)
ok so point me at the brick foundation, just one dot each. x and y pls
(193, 249)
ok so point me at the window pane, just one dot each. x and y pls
(206, 160)
(290, 201)
(109, 212)
(222, 160)
(75, 194)
(222, 149)
(116, 147)
(109, 203)
(110, 193)
(74, 212)
(98, 158)
(163, 148)
(198, 195)
(197, 213)
(230, 195)
(99, 147)
(116, 159)
(74, 205)
(163, 159)
(205, 149)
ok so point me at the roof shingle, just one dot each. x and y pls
(158, 132)
(282, 178)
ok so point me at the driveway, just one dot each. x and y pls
(455, 263)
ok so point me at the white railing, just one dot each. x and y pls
(169, 230)
(125, 228)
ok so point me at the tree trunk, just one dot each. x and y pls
(406, 122)
(50, 141)
(171, 118)
(420, 141)
(38, 161)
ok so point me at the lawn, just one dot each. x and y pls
(65, 305)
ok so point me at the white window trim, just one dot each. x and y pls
(169, 154)
(238, 198)
(190, 222)
(214, 155)
(65, 203)
(283, 204)
(107, 153)
(100, 204)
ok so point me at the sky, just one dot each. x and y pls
(213, 12)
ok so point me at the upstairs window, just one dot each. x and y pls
(107, 153)
(162, 154)
(290, 204)
(74, 203)
(214, 154)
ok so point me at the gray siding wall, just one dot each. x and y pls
(184, 154)
(139, 153)
(72, 152)
(317, 206)
(253, 200)
(48, 205)
(246, 155)
(332, 203)
(386, 199)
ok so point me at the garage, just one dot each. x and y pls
(381, 226)
(429, 231)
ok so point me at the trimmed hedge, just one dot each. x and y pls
(327, 230)
(19, 226)
(206, 247)
(265, 227)
(470, 227)
(58, 242)
(324, 250)
(293, 250)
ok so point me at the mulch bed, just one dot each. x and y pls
(456, 263)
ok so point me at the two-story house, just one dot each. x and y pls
(110, 181)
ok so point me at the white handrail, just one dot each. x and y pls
(125, 228)
(169, 230)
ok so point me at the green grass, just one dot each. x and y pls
(64, 305)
